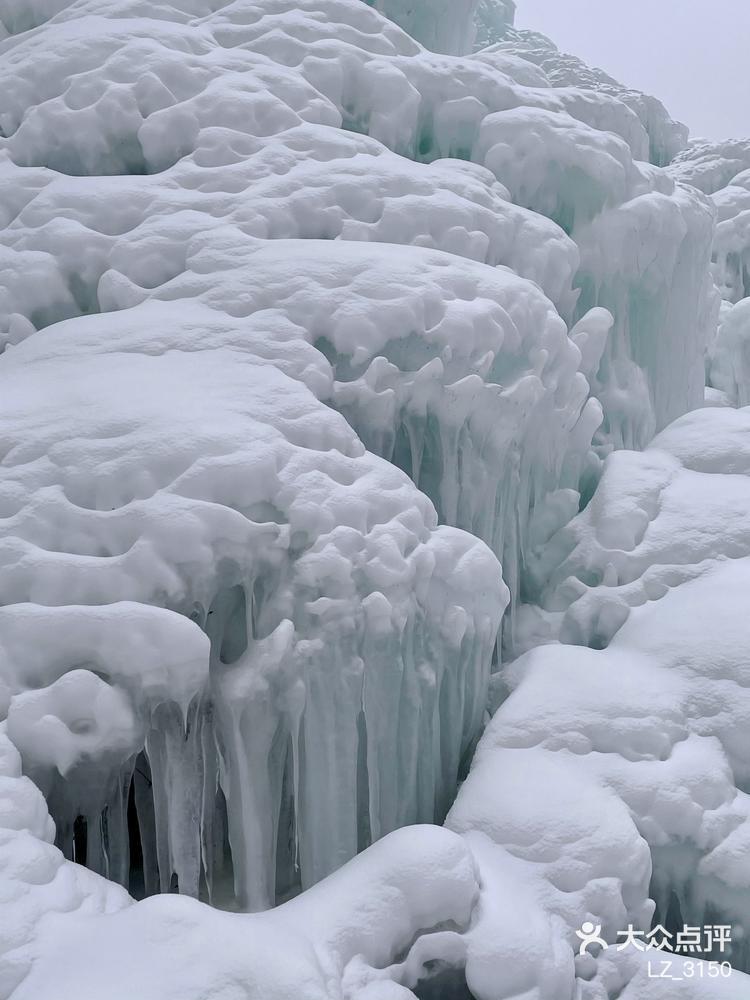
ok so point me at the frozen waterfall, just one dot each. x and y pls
(372, 573)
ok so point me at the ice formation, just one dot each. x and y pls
(722, 171)
(651, 578)
(311, 313)
(216, 487)
(666, 138)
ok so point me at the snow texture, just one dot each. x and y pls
(646, 585)
(308, 320)
(666, 137)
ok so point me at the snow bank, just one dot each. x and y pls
(611, 780)
(655, 570)
(71, 928)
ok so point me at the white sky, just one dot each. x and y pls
(694, 55)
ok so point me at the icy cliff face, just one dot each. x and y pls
(301, 175)
(492, 20)
(722, 170)
(350, 636)
(666, 137)
(305, 326)
(439, 25)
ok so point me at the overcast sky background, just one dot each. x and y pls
(694, 55)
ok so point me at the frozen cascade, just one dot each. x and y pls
(439, 25)
(255, 256)
(492, 20)
(139, 230)
(722, 171)
(420, 105)
(667, 139)
(728, 361)
(86, 686)
(244, 530)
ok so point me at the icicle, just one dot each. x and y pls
(174, 754)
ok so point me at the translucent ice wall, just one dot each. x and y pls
(666, 138)
(439, 25)
(281, 292)
(722, 171)
(349, 645)
(492, 20)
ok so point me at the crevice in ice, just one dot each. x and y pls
(449, 984)
(364, 831)
(137, 871)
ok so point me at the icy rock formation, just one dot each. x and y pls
(299, 176)
(214, 486)
(492, 20)
(255, 255)
(722, 170)
(667, 138)
(631, 544)
(640, 719)
(356, 69)
(728, 366)
(87, 686)
(421, 902)
(711, 166)
(439, 25)
(462, 375)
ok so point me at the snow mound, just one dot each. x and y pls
(709, 165)
(70, 927)
(639, 719)
(655, 570)
(657, 520)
